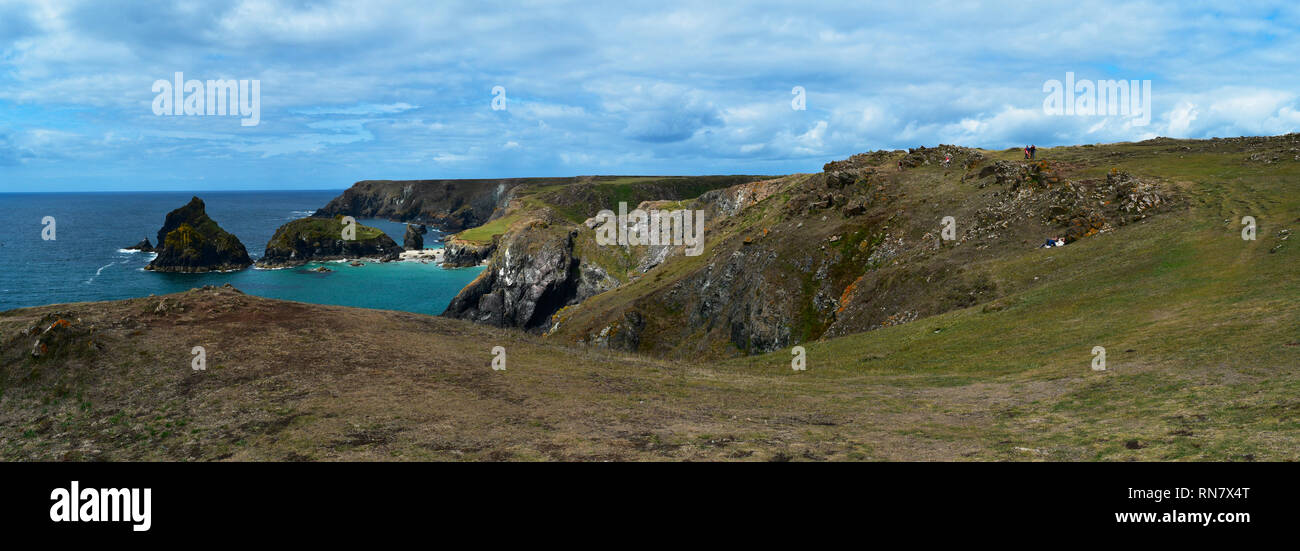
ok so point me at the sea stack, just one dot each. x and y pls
(414, 238)
(191, 242)
(307, 239)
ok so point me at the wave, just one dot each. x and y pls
(97, 272)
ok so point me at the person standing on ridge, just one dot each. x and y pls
(1033, 151)
(1026, 153)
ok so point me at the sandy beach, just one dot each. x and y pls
(434, 255)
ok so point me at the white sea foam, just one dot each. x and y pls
(97, 272)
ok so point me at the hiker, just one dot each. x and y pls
(1033, 150)
(1026, 153)
(900, 165)
(947, 159)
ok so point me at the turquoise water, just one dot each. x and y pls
(86, 260)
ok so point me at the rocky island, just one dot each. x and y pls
(313, 239)
(191, 242)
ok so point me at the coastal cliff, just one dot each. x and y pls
(542, 257)
(460, 253)
(191, 242)
(524, 228)
(449, 205)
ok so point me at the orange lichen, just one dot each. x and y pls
(847, 294)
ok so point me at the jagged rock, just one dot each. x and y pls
(190, 241)
(963, 157)
(144, 246)
(414, 238)
(854, 208)
(1132, 195)
(60, 334)
(459, 253)
(531, 276)
(313, 239)
(861, 160)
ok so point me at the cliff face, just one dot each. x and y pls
(190, 241)
(450, 205)
(533, 275)
(308, 239)
(550, 260)
(458, 253)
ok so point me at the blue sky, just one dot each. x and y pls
(399, 90)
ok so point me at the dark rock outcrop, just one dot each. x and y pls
(309, 239)
(144, 246)
(190, 241)
(533, 275)
(414, 238)
(458, 253)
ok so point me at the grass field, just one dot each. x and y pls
(483, 234)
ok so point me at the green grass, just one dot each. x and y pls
(483, 234)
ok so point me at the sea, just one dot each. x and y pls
(87, 260)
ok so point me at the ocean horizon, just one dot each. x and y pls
(87, 259)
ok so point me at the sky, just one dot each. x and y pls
(405, 90)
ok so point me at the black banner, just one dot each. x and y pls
(321, 500)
